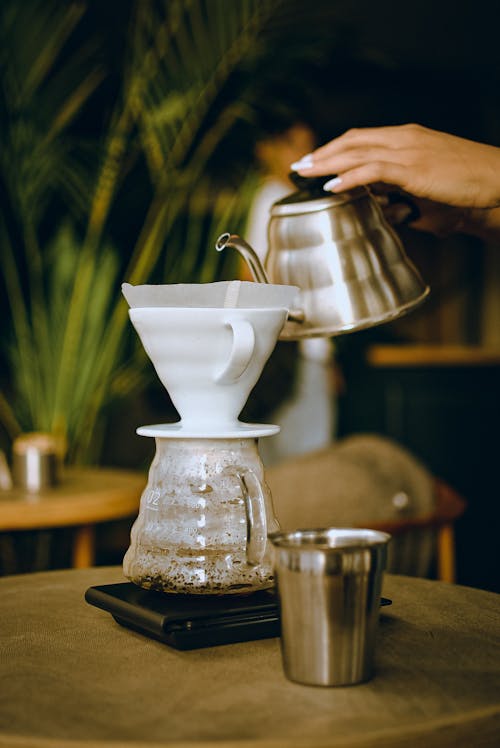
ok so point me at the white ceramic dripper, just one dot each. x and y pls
(206, 511)
(209, 343)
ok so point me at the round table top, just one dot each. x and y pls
(83, 496)
(71, 676)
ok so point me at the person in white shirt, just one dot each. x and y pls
(308, 417)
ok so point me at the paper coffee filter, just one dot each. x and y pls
(229, 294)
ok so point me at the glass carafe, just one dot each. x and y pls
(204, 519)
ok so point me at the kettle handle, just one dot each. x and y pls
(256, 516)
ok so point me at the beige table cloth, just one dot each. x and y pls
(71, 676)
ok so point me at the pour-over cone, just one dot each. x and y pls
(210, 357)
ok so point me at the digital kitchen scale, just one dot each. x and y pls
(188, 621)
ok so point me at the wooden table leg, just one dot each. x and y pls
(84, 547)
(446, 554)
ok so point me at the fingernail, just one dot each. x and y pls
(332, 183)
(305, 163)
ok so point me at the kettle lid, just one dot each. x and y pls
(310, 196)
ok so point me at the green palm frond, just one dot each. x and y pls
(182, 58)
(40, 98)
(69, 346)
(44, 28)
(37, 359)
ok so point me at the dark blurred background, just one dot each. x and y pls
(128, 135)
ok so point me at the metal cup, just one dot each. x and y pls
(329, 583)
(35, 461)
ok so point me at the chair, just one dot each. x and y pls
(371, 481)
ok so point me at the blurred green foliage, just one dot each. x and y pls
(111, 170)
(126, 145)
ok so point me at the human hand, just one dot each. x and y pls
(425, 163)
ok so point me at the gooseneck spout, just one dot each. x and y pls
(246, 251)
(255, 265)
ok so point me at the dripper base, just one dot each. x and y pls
(238, 430)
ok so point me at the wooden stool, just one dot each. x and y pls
(330, 488)
(449, 507)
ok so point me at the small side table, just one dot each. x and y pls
(84, 497)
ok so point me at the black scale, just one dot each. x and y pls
(188, 621)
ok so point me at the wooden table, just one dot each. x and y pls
(83, 498)
(73, 678)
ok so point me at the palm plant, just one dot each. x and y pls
(37, 162)
(67, 353)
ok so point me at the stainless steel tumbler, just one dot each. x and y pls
(35, 461)
(329, 583)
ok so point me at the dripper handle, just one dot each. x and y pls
(241, 351)
(256, 516)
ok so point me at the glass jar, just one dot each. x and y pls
(204, 519)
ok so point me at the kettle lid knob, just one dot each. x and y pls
(309, 188)
(309, 184)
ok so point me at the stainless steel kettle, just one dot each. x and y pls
(347, 261)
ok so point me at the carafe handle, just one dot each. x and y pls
(241, 351)
(256, 516)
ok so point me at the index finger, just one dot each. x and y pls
(392, 136)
